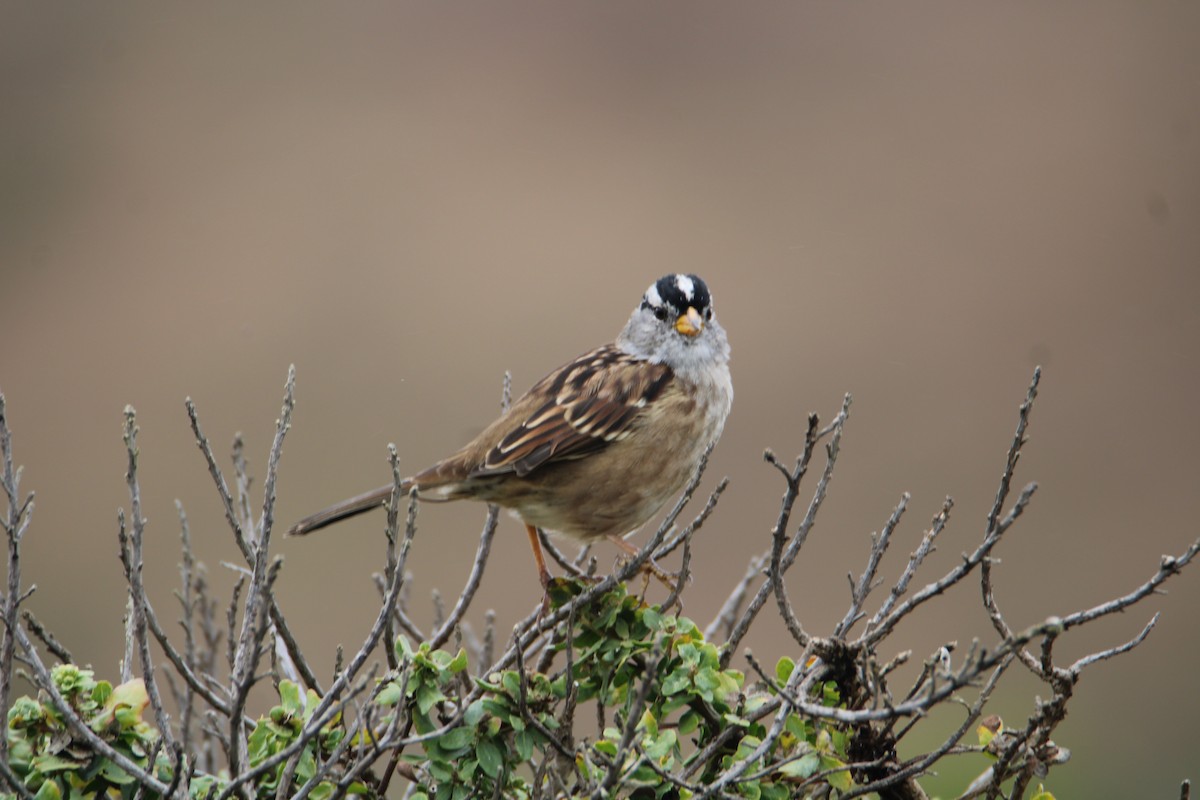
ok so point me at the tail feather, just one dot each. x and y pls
(368, 501)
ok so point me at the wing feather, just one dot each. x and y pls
(593, 401)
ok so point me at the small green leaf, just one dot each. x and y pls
(662, 746)
(101, 692)
(389, 695)
(51, 763)
(404, 649)
(459, 663)
(783, 669)
(490, 758)
(803, 767)
(525, 741)
(606, 747)
(48, 791)
(289, 698)
(676, 682)
(473, 714)
(797, 727)
(114, 774)
(456, 739)
(839, 780)
(428, 697)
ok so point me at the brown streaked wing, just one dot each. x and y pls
(589, 404)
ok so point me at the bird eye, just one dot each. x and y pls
(708, 313)
(660, 313)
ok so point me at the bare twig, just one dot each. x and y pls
(131, 556)
(15, 522)
(47, 638)
(866, 582)
(476, 576)
(914, 562)
(791, 492)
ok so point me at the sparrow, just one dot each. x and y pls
(596, 448)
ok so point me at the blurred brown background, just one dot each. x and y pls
(914, 203)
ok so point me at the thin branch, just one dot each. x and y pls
(1104, 655)
(1168, 567)
(968, 564)
(866, 582)
(791, 492)
(15, 523)
(131, 556)
(47, 638)
(473, 581)
(915, 560)
(727, 616)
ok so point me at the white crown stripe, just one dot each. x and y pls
(686, 285)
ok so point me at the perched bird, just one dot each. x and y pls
(599, 445)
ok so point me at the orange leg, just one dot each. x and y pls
(539, 559)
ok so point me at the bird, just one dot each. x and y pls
(596, 448)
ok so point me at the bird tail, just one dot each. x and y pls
(354, 506)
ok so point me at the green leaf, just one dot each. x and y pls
(389, 695)
(48, 791)
(456, 739)
(839, 780)
(662, 746)
(644, 775)
(606, 747)
(1042, 794)
(783, 669)
(473, 714)
(467, 767)
(52, 763)
(676, 682)
(404, 649)
(491, 759)
(797, 727)
(114, 774)
(652, 619)
(101, 692)
(803, 767)
(289, 698)
(497, 707)
(441, 771)
(459, 663)
(525, 740)
(427, 697)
